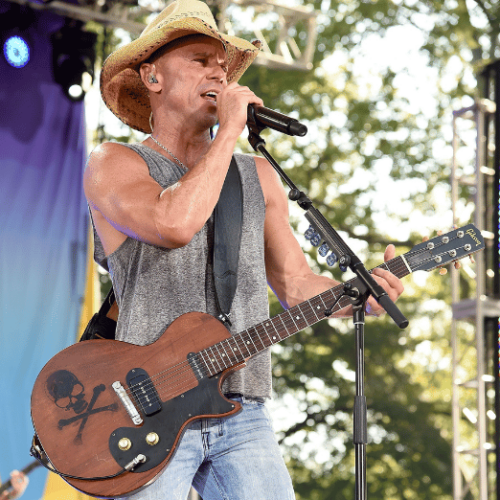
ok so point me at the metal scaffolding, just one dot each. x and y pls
(473, 415)
(126, 14)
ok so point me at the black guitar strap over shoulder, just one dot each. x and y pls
(228, 221)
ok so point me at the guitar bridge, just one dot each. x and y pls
(127, 403)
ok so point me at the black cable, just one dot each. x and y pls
(34, 453)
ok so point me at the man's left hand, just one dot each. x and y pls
(388, 281)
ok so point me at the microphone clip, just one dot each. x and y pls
(254, 129)
(254, 126)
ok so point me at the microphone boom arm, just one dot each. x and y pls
(346, 257)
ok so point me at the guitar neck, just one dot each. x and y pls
(248, 343)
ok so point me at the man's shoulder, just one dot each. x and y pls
(112, 148)
(112, 153)
(269, 179)
(111, 161)
(266, 172)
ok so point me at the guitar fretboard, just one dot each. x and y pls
(248, 343)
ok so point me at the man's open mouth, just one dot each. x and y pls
(211, 96)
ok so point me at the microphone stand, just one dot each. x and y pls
(359, 290)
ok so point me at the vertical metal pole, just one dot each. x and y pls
(455, 298)
(480, 274)
(360, 425)
(493, 72)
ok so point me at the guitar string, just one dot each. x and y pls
(164, 376)
(176, 383)
(246, 339)
(215, 358)
(437, 246)
(170, 376)
(184, 367)
(234, 340)
(167, 375)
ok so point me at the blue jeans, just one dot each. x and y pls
(232, 458)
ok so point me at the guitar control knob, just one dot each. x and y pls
(152, 438)
(124, 444)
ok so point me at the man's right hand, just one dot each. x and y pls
(232, 105)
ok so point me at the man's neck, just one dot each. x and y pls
(188, 146)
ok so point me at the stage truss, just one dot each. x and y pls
(126, 15)
(475, 325)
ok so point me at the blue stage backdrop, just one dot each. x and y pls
(43, 236)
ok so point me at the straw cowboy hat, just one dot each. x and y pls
(121, 86)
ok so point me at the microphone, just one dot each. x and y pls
(265, 117)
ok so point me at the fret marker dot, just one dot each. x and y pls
(248, 342)
(317, 307)
(234, 348)
(274, 338)
(297, 317)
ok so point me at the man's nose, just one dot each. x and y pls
(218, 73)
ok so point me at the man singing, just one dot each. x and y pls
(152, 207)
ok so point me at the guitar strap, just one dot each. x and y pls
(228, 221)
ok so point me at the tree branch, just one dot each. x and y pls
(318, 418)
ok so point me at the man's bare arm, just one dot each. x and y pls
(288, 273)
(126, 199)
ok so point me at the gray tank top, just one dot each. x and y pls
(155, 285)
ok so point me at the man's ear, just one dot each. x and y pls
(149, 78)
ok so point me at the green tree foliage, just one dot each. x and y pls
(359, 123)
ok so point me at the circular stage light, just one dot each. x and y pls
(16, 51)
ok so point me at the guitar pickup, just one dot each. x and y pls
(144, 391)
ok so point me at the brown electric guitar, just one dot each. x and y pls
(109, 414)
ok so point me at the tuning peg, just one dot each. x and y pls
(440, 232)
(310, 232)
(472, 259)
(315, 240)
(457, 264)
(331, 260)
(323, 249)
(425, 238)
(443, 271)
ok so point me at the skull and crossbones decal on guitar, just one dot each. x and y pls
(68, 393)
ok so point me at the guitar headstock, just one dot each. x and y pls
(445, 248)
